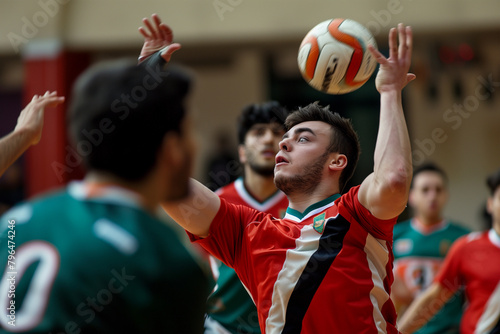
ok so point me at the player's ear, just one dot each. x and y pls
(171, 151)
(242, 153)
(411, 198)
(337, 162)
(489, 205)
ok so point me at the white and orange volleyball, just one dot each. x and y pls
(334, 56)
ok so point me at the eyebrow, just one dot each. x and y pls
(300, 130)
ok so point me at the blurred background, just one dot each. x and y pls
(244, 51)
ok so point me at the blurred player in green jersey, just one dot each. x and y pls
(94, 257)
(420, 245)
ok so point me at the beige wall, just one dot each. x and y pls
(113, 23)
(240, 33)
(462, 134)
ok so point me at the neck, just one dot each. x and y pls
(149, 198)
(261, 187)
(429, 221)
(496, 227)
(301, 201)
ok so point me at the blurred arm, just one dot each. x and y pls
(28, 130)
(195, 212)
(424, 307)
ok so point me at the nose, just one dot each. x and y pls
(284, 145)
(268, 136)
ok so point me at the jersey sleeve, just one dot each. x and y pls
(351, 208)
(449, 276)
(226, 231)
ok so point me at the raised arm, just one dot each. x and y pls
(196, 211)
(424, 307)
(157, 36)
(385, 191)
(28, 130)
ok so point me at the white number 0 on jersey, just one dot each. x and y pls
(37, 295)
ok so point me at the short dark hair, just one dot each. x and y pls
(120, 113)
(493, 181)
(429, 167)
(267, 112)
(343, 140)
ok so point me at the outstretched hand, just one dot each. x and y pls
(157, 36)
(30, 119)
(393, 72)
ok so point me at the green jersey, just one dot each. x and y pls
(93, 261)
(419, 252)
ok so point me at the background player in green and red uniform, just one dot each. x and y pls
(420, 245)
(472, 263)
(260, 129)
(94, 257)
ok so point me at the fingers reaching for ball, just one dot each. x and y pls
(393, 71)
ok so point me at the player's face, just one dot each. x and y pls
(261, 146)
(494, 208)
(302, 159)
(429, 195)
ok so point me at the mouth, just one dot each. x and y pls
(281, 160)
(268, 153)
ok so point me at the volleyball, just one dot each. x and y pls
(334, 57)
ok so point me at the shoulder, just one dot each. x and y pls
(228, 190)
(402, 227)
(40, 205)
(458, 228)
(351, 195)
(350, 208)
(230, 207)
(469, 241)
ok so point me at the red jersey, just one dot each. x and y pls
(474, 262)
(326, 270)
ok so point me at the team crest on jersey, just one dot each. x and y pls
(444, 246)
(403, 246)
(319, 223)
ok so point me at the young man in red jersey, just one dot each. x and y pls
(327, 266)
(472, 262)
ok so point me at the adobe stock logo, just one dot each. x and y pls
(31, 26)
(223, 6)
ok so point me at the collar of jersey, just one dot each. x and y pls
(494, 237)
(418, 226)
(239, 185)
(311, 210)
(106, 194)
